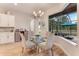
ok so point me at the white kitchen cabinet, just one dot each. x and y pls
(6, 37)
(3, 37)
(6, 20)
(11, 21)
(3, 20)
(11, 37)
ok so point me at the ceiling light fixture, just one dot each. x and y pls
(34, 13)
(42, 14)
(40, 11)
(38, 14)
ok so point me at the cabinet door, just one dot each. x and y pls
(4, 37)
(0, 19)
(11, 37)
(3, 20)
(11, 21)
(0, 37)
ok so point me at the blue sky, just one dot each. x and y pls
(73, 16)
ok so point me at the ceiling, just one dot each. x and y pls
(28, 8)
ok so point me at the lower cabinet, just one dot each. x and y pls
(6, 37)
(11, 37)
(3, 37)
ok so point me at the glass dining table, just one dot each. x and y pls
(39, 42)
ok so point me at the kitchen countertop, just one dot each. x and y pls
(71, 48)
(72, 42)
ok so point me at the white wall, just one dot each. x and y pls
(21, 20)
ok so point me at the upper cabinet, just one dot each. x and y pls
(11, 21)
(7, 20)
(3, 20)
